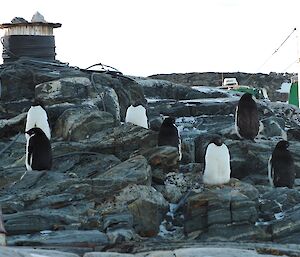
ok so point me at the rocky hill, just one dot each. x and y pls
(271, 81)
(112, 189)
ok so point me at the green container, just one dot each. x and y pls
(293, 96)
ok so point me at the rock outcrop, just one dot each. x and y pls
(111, 187)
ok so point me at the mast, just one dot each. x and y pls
(298, 56)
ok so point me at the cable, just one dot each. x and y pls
(276, 50)
(268, 59)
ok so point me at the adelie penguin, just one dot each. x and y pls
(38, 150)
(281, 169)
(37, 118)
(169, 135)
(136, 114)
(217, 163)
(246, 118)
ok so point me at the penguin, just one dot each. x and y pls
(38, 150)
(37, 117)
(217, 163)
(169, 135)
(136, 114)
(246, 118)
(281, 169)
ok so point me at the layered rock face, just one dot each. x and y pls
(111, 187)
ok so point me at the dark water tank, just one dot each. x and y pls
(28, 39)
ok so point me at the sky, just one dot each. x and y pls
(146, 37)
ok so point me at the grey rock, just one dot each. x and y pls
(205, 251)
(65, 238)
(108, 254)
(146, 225)
(11, 127)
(63, 90)
(117, 219)
(273, 127)
(164, 158)
(271, 81)
(82, 122)
(164, 89)
(277, 200)
(140, 200)
(229, 204)
(82, 164)
(178, 184)
(235, 232)
(35, 221)
(127, 89)
(105, 98)
(21, 252)
(122, 141)
(190, 108)
(134, 171)
(287, 224)
(119, 235)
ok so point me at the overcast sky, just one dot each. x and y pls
(145, 37)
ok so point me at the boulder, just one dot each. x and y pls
(134, 171)
(35, 221)
(126, 88)
(108, 254)
(74, 238)
(17, 252)
(147, 207)
(13, 126)
(163, 89)
(276, 201)
(119, 227)
(228, 205)
(63, 90)
(122, 141)
(285, 229)
(164, 158)
(82, 122)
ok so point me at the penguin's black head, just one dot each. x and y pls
(169, 121)
(138, 102)
(217, 140)
(34, 131)
(247, 97)
(283, 144)
(37, 102)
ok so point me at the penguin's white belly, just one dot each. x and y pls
(217, 165)
(137, 115)
(28, 164)
(37, 117)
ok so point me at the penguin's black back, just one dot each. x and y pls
(247, 117)
(168, 133)
(39, 149)
(283, 166)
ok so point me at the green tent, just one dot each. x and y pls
(293, 96)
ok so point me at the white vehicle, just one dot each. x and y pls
(230, 82)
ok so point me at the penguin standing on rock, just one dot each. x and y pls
(37, 118)
(136, 114)
(38, 150)
(246, 118)
(169, 135)
(281, 169)
(217, 163)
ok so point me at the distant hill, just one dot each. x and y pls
(271, 81)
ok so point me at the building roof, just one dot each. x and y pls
(11, 25)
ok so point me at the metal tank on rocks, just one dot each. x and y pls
(33, 39)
